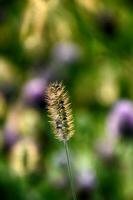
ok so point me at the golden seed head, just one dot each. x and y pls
(60, 112)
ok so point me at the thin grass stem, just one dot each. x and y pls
(70, 171)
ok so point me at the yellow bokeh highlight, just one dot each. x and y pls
(24, 157)
(28, 122)
(90, 5)
(7, 72)
(3, 106)
(33, 23)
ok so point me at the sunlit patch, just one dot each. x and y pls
(33, 23)
(90, 5)
(28, 121)
(23, 121)
(7, 72)
(107, 90)
(3, 106)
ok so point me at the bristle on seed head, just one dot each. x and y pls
(59, 111)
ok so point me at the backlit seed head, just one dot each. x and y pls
(60, 112)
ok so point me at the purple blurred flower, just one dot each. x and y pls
(33, 92)
(120, 120)
(86, 179)
(86, 184)
(66, 53)
(11, 136)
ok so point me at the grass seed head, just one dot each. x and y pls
(60, 111)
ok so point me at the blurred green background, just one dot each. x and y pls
(87, 44)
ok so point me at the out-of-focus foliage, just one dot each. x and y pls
(87, 44)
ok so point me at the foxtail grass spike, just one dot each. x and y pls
(60, 114)
(60, 111)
